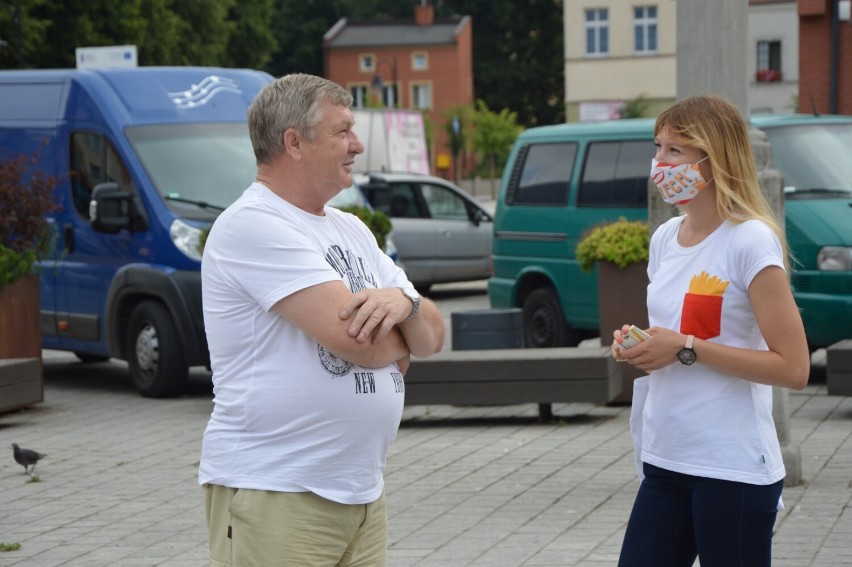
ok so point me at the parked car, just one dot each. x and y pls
(442, 234)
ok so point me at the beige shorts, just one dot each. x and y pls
(261, 528)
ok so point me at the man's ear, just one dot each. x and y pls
(292, 143)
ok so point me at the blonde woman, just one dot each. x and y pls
(724, 329)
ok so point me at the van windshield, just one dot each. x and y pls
(814, 158)
(198, 169)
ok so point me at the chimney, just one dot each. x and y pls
(424, 13)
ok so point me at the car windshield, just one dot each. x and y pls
(197, 168)
(814, 158)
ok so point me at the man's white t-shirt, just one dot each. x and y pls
(289, 416)
(696, 420)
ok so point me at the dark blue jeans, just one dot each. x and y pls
(678, 516)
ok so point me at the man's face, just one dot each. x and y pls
(331, 156)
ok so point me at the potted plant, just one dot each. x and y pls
(619, 250)
(26, 197)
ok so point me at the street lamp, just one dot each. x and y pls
(16, 19)
(376, 83)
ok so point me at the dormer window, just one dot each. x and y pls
(367, 63)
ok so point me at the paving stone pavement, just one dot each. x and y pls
(466, 486)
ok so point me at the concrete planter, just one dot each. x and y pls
(622, 294)
(21, 372)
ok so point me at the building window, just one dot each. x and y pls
(645, 30)
(597, 31)
(389, 94)
(421, 96)
(367, 63)
(768, 61)
(419, 61)
(359, 95)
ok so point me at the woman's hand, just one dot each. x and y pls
(617, 338)
(651, 354)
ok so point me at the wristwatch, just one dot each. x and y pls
(686, 355)
(411, 294)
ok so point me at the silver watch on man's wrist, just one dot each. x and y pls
(412, 294)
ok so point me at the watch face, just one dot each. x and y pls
(411, 293)
(686, 356)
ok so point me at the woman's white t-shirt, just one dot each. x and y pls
(696, 420)
(288, 415)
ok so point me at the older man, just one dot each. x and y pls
(310, 327)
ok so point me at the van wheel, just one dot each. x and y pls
(544, 326)
(155, 355)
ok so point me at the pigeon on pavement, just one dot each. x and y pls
(26, 457)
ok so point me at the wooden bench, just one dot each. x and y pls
(515, 376)
(838, 368)
(21, 383)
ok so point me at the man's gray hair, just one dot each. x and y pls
(292, 101)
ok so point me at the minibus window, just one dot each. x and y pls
(616, 174)
(546, 175)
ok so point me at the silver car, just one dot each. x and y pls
(441, 234)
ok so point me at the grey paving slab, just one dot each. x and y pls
(467, 486)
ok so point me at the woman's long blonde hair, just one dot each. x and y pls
(716, 127)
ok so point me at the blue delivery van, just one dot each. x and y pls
(145, 158)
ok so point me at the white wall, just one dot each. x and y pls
(771, 22)
(622, 76)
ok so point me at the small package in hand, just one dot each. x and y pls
(633, 337)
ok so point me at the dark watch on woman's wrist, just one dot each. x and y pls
(686, 355)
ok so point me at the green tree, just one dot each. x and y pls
(165, 32)
(518, 55)
(493, 136)
(517, 44)
(458, 122)
(251, 41)
(634, 108)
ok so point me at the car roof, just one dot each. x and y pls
(640, 127)
(391, 176)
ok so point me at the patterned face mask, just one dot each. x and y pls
(678, 183)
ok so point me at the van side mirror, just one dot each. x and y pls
(110, 209)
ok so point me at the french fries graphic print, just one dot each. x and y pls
(702, 306)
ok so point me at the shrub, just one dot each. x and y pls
(378, 222)
(26, 196)
(621, 242)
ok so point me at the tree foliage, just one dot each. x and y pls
(518, 55)
(165, 32)
(517, 44)
(493, 135)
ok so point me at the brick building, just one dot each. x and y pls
(421, 63)
(825, 56)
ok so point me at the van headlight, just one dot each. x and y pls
(187, 239)
(835, 258)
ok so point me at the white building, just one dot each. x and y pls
(617, 52)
